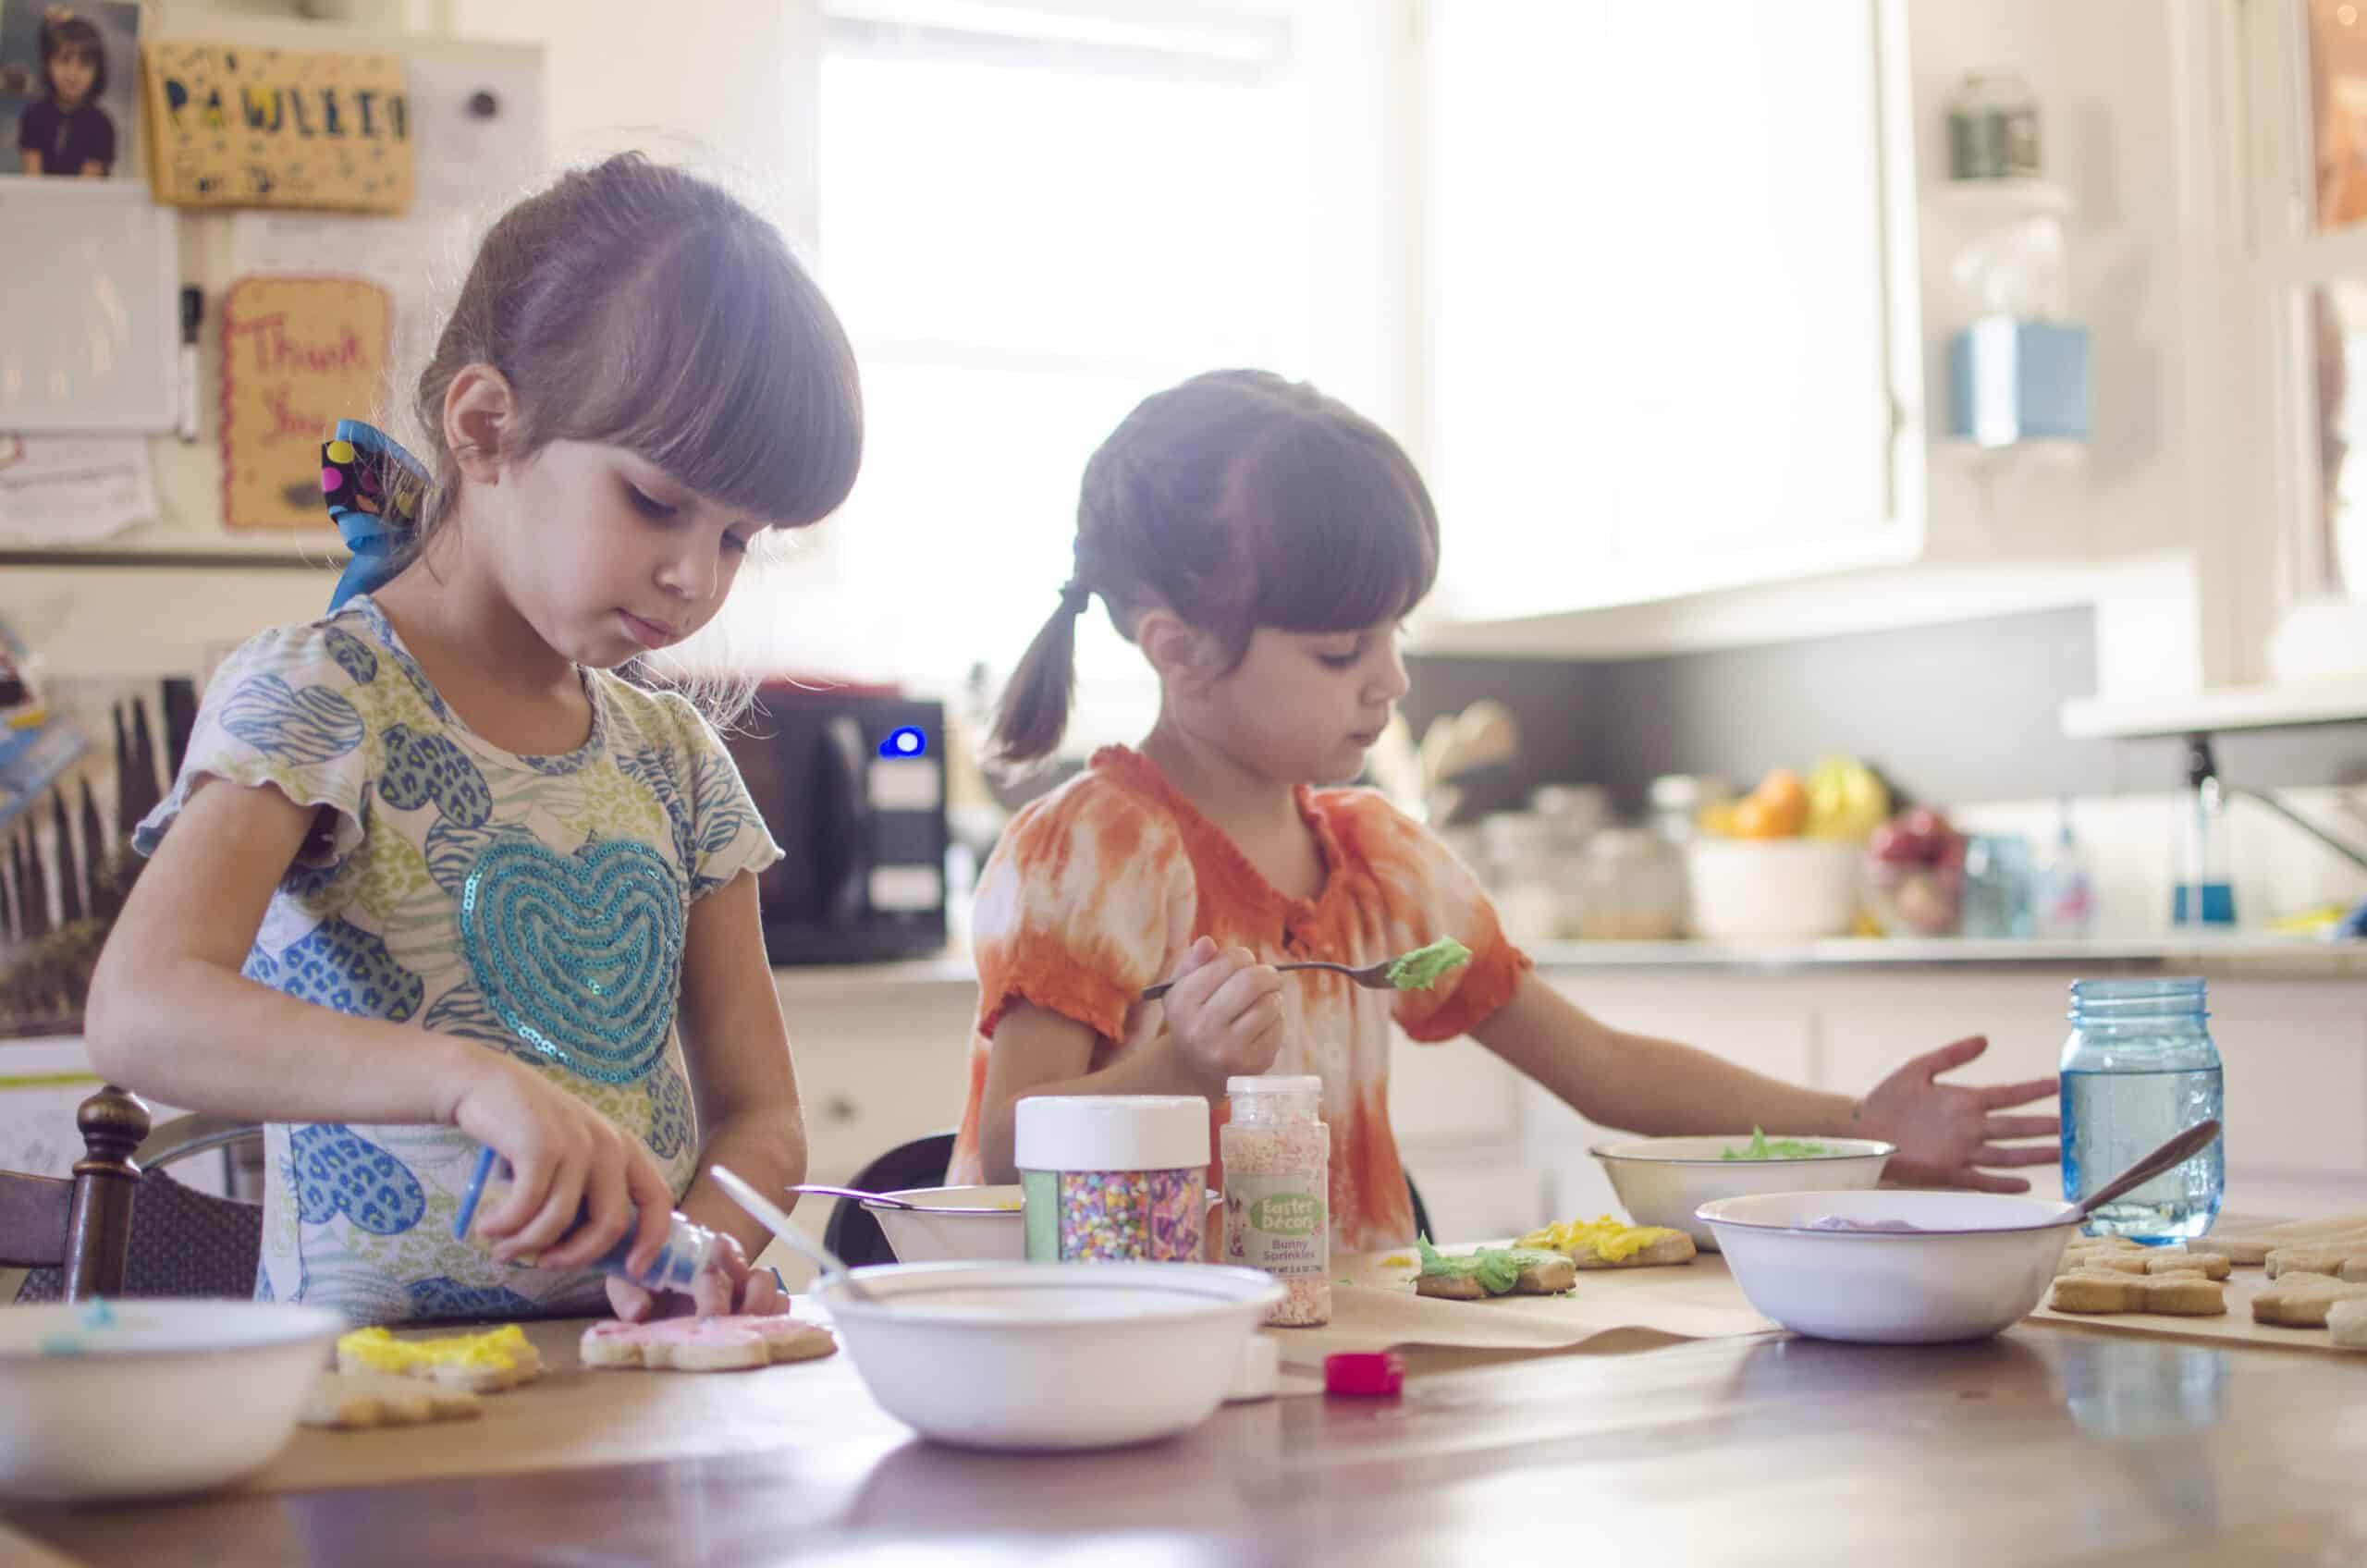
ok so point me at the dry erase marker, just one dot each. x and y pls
(192, 312)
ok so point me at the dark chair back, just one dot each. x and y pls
(79, 1226)
(852, 1233)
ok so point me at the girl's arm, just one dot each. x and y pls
(1643, 1085)
(1037, 1051)
(94, 169)
(170, 1015)
(31, 160)
(1224, 1017)
(737, 1047)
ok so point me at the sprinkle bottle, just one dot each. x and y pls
(1277, 1189)
(689, 1247)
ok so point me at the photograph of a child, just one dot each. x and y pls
(69, 81)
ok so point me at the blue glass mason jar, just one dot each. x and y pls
(2139, 1067)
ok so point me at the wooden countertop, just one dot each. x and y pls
(2038, 1445)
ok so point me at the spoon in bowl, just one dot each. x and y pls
(741, 1192)
(2176, 1151)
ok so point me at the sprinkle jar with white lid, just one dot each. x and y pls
(1277, 1191)
(1114, 1177)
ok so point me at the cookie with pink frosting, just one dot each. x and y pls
(704, 1344)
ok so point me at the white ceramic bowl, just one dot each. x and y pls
(1979, 1264)
(994, 1231)
(1663, 1181)
(1041, 1355)
(1772, 890)
(172, 1396)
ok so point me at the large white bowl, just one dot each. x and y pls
(1772, 890)
(172, 1396)
(995, 1231)
(1036, 1355)
(1979, 1263)
(1663, 1181)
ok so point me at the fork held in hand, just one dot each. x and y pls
(1373, 976)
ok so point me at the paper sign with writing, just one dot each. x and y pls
(231, 125)
(298, 355)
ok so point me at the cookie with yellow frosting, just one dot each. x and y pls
(486, 1363)
(1606, 1244)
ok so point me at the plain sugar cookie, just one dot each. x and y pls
(704, 1344)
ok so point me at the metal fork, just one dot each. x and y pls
(1373, 976)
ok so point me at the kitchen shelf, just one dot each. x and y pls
(2229, 707)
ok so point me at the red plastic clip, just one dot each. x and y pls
(1365, 1375)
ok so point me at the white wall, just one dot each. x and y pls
(700, 80)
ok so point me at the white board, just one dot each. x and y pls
(90, 327)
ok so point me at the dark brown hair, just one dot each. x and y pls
(640, 306)
(74, 35)
(1237, 500)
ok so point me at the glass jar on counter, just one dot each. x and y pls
(1679, 799)
(2139, 1068)
(1531, 870)
(1631, 888)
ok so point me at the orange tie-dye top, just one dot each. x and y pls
(1096, 891)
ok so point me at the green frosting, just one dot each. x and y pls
(1764, 1147)
(1496, 1268)
(1419, 970)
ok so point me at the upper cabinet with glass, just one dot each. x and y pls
(1673, 341)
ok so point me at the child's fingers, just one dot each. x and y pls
(1200, 982)
(645, 1188)
(628, 1300)
(530, 1182)
(562, 1206)
(1194, 958)
(605, 1216)
(1250, 993)
(761, 1295)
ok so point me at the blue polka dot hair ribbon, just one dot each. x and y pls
(373, 489)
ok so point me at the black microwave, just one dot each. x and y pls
(852, 787)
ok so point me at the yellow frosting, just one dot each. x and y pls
(1604, 1238)
(374, 1348)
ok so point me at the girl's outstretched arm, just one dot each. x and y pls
(1642, 1085)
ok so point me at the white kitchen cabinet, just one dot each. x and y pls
(1671, 303)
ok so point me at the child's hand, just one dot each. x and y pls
(1225, 1014)
(568, 1162)
(727, 1285)
(1943, 1131)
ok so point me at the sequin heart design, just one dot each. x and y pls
(580, 954)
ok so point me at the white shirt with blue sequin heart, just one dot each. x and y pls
(535, 904)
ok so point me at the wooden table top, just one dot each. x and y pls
(2041, 1445)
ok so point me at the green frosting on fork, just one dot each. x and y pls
(1419, 970)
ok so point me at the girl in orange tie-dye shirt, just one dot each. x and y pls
(1261, 542)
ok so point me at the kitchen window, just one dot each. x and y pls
(1031, 217)
(2307, 81)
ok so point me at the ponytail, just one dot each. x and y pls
(1035, 712)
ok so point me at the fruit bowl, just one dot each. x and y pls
(1772, 889)
(1913, 878)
